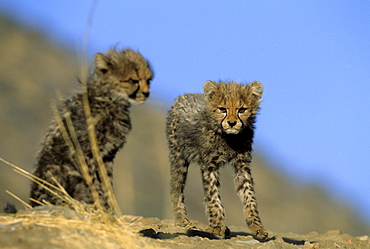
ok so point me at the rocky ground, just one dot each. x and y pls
(63, 228)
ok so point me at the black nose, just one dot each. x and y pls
(146, 94)
(231, 123)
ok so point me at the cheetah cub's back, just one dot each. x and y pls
(120, 78)
(214, 129)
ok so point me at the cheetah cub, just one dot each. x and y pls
(120, 79)
(213, 129)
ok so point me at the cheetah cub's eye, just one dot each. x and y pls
(222, 109)
(134, 81)
(242, 109)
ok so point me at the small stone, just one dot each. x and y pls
(309, 245)
(363, 237)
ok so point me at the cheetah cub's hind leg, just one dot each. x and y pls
(179, 171)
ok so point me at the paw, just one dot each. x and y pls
(260, 232)
(220, 232)
(185, 223)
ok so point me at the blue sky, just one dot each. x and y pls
(313, 58)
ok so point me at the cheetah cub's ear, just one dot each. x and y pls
(256, 89)
(102, 64)
(210, 88)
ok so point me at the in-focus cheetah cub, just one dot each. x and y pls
(120, 79)
(213, 129)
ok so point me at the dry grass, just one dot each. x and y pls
(78, 226)
(80, 230)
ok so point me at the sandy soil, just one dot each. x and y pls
(174, 237)
(64, 228)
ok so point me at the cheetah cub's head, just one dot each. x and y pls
(125, 73)
(234, 106)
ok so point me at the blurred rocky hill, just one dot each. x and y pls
(32, 69)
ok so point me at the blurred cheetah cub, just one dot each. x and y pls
(213, 129)
(120, 79)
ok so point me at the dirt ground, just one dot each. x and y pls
(58, 227)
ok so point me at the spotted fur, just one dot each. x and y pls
(120, 79)
(213, 129)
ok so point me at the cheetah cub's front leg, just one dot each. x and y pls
(214, 209)
(244, 186)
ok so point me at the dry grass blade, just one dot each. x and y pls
(71, 139)
(25, 173)
(48, 186)
(55, 190)
(96, 153)
(36, 201)
(18, 199)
